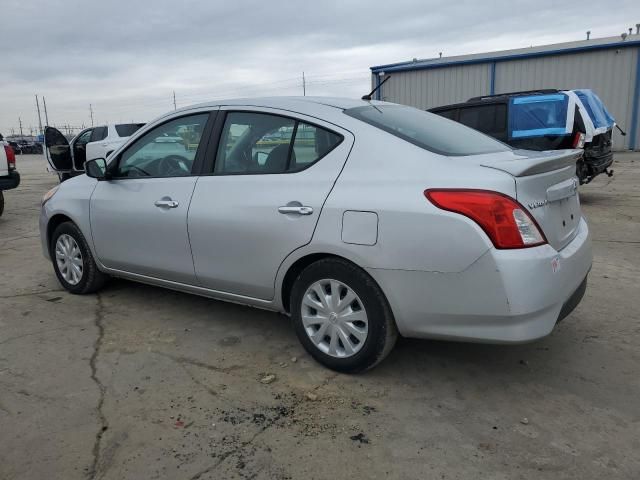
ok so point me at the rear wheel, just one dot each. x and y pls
(1, 203)
(341, 316)
(73, 261)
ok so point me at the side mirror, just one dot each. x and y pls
(97, 168)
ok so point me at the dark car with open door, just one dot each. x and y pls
(544, 120)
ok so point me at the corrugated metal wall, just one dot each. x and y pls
(610, 73)
(440, 86)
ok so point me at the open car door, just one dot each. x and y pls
(57, 150)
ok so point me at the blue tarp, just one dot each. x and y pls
(539, 115)
(598, 113)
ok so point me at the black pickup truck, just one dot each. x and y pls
(544, 120)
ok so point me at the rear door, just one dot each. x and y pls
(262, 199)
(97, 145)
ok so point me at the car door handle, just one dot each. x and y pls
(166, 204)
(300, 210)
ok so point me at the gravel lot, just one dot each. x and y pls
(144, 383)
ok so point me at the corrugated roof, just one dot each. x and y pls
(519, 53)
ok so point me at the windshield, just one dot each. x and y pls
(426, 130)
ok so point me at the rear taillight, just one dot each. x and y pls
(11, 157)
(503, 219)
(578, 140)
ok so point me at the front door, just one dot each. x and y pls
(62, 155)
(57, 150)
(262, 199)
(139, 216)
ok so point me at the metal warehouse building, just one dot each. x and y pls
(609, 66)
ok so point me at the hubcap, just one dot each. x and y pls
(69, 259)
(334, 318)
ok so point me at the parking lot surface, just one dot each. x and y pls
(139, 382)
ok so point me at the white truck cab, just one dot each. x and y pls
(67, 158)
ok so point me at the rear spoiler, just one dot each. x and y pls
(532, 163)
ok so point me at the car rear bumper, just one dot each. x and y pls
(598, 163)
(10, 181)
(506, 296)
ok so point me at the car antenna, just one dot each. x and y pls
(369, 97)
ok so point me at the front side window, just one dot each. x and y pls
(168, 150)
(263, 143)
(426, 130)
(84, 138)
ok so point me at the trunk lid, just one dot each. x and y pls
(547, 186)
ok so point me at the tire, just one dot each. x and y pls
(334, 274)
(1, 203)
(91, 279)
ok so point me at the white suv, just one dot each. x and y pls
(94, 142)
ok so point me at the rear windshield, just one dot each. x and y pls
(128, 129)
(426, 130)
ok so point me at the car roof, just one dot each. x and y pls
(304, 105)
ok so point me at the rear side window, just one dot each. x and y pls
(489, 119)
(99, 133)
(426, 130)
(539, 115)
(128, 129)
(253, 143)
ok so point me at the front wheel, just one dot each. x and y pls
(73, 261)
(341, 316)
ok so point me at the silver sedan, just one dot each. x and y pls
(361, 220)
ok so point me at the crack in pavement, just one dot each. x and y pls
(99, 316)
(28, 294)
(181, 360)
(38, 332)
(631, 242)
(246, 443)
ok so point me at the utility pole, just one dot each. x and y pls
(46, 115)
(20, 122)
(304, 86)
(91, 111)
(174, 100)
(39, 117)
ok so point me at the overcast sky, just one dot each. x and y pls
(127, 57)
